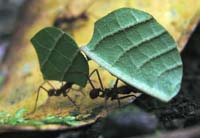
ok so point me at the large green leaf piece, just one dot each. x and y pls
(134, 47)
(59, 57)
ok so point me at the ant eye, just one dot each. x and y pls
(94, 94)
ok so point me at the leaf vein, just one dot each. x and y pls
(174, 67)
(166, 51)
(40, 45)
(53, 48)
(70, 64)
(110, 34)
(146, 40)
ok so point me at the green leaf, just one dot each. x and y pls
(59, 56)
(134, 47)
(67, 120)
(19, 113)
(4, 115)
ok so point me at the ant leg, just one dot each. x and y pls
(105, 104)
(92, 85)
(38, 91)
(101, 84)
(116, 82)
(118, 100)
(115, 87)
(80, 89)
(99, 78)
(123, 97)
(65, 94)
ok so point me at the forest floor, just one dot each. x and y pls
(180, 113)
(183, 112)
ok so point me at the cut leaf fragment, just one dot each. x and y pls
(134, 47)
(59, 56)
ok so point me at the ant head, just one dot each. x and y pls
(94, 93)
(51, 92)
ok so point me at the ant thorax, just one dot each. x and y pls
(107, 92)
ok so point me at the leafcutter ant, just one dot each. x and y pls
(112, 93)
(106, 93)
(63, 90)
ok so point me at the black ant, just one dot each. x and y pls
(63, 90)
(70, 20)
(106, 93)
(112, 93)
(66, 22)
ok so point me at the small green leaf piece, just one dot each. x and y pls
(67, 120)
(20, 112)
(59, 56)
(134, 47)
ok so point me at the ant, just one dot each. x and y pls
(106, 93)
(67, 21)
(70, 20)
(63, 90)
(112, 93)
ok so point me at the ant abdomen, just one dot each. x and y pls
(126, 89)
